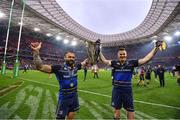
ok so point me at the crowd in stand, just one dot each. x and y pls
(50, 52)
(53, 54)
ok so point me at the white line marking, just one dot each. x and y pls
(12, 90)
(157, 104)
(90, 108)
(123, 114)
(17, 117)
(7, 111)
(144, 115)
(156, 80)
(101, 109)
(39, 82)
(49, 107)
(143, 102)
(137, 116)
(95, 93)
(33, 102)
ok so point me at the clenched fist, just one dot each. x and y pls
(36, 46)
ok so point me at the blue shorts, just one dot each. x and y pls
(122, 98)
(66, 105)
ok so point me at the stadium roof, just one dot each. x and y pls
(47, 15)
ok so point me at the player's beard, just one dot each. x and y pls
(70, 63)
(122, 60)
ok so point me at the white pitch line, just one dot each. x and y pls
(39, 82)
(157, 104)
(90, 108)
(101, 108)
(123, 114)
(144, 115)
(17, 117)
(12, 90)
(94, 93)
(138, 114)
(156, 80)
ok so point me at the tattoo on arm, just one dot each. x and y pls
(37, 60)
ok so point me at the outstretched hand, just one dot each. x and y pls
(85, 62)
(158, 44)
(161, 45)
(36, 46)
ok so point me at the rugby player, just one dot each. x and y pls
(66, 75)
(122, 75)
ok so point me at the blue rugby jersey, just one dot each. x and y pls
(122, 74)
(67, 78)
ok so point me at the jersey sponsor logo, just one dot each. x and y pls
(66, 76)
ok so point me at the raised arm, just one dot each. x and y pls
(104, 60)
(84, 63)
(37, 60)
(148, 57)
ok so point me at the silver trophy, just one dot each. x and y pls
(93, 50)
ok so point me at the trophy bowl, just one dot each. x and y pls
(93, 50)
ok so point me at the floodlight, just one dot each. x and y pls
(19, 23)
(58, 37)
(168, 38)
(48, 34)
(36, 29)
(73, 43)
(2, 14)
(177, 33)
(66, 41)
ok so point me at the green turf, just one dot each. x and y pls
(36, 97)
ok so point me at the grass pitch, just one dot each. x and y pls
(34, 96)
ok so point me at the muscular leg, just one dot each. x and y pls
(130, 115)
(70, 115)
(117, 114)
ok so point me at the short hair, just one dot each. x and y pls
(69, 51)
(121, 49)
